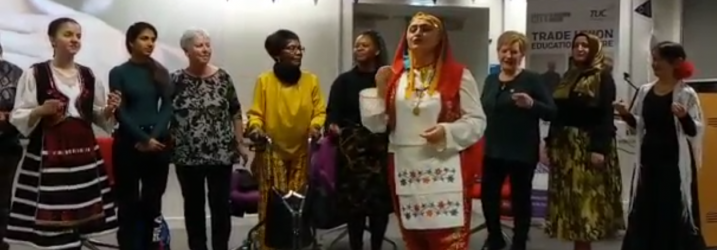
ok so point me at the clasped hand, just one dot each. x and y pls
(114, 100)
(51, 107)
(150, 146)
(435, 135)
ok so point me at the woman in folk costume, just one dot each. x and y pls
(585, 186)
(62, 192)
(668, 120)
(430, 105)
(289, 108)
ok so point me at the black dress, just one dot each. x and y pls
(362, 157)
(656, 220)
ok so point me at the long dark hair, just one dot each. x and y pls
(159, 72)
(382, 58)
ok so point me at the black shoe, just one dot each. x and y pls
(494, 245)
(4, 246)
(518, 245)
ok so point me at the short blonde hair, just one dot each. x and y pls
(512, 37)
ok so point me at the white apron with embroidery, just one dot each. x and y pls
(429, 183)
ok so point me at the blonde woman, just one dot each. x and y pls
(515, 100)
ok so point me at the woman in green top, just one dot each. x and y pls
(514, 101)
(140, 153)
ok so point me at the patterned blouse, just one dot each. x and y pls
(203, 124)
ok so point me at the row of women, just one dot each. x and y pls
(407, 129)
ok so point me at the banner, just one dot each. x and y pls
(552, 25)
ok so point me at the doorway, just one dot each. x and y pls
(467, 29)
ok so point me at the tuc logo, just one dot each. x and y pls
(603, 13)
(598, 13)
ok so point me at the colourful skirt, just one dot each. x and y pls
(584, 201)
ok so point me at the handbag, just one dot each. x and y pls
(323, 163)
(323, 197)
(282, 209)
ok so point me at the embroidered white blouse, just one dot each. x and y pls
(429, 182)
(26, 100)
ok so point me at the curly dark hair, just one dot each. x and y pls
(382, 58)
(277, 41)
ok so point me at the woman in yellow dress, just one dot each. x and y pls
(289, 108)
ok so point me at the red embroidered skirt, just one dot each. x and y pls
(69, 190)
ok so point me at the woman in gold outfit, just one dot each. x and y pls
(585, 184)
(289, 108)
(429, 104)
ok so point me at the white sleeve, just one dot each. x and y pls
(98, 108)
(373, 111)
(25, 103)
(636, 108)
(694, 110)
(468, 129)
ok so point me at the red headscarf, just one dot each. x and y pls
(448, 70)
(450, 74)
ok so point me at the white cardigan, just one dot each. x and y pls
(686, 96)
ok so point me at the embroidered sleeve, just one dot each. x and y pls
(98, 108)
(468, 129)
(25, 103)
(373, 111)
(692, 123)
(9, 76)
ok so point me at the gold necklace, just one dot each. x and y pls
(427, 75)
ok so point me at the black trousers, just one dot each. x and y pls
(8, 167)
(218, 181)
(495, 171)
(377, 224)
(140, 182)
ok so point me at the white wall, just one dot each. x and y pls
(470, 44)
(238, 29)
(665, 25)
(698, 36)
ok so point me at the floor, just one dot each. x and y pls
(538, 240)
